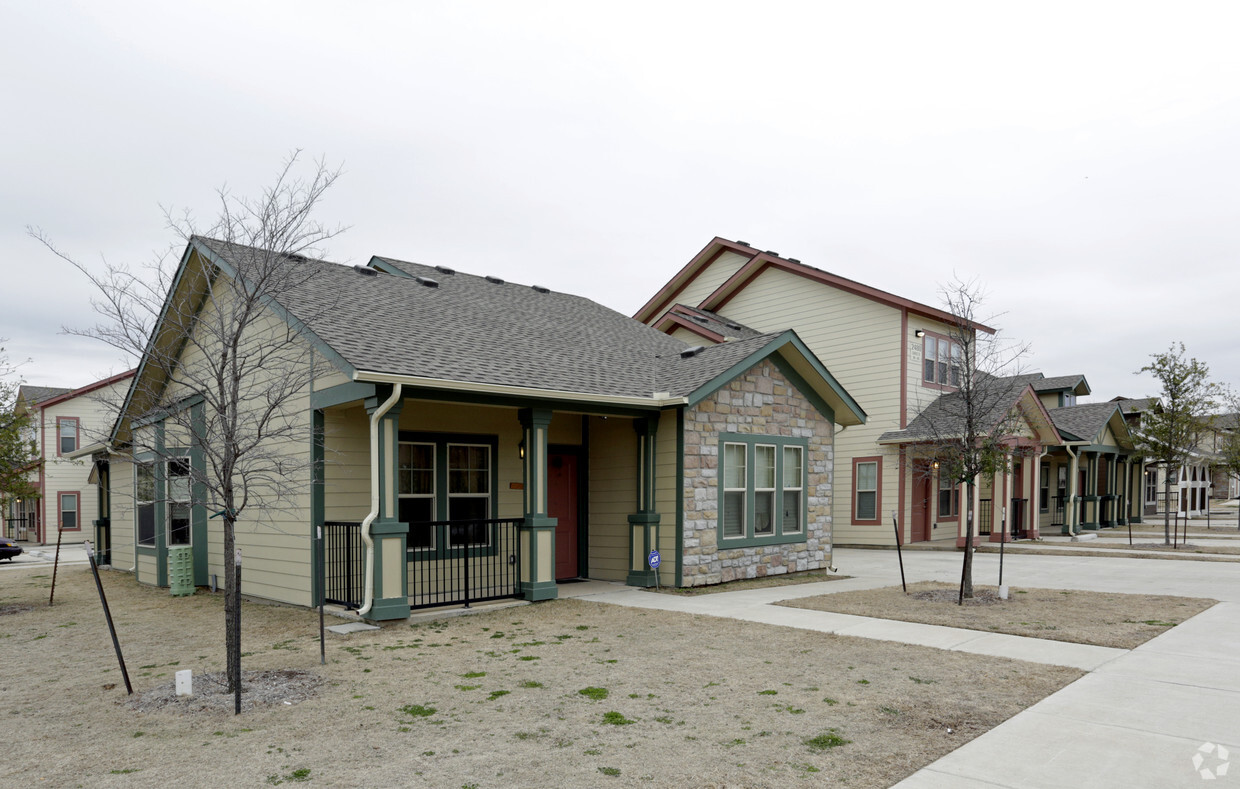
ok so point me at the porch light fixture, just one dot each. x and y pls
(936, 465)
(521, 449)
(919, 333)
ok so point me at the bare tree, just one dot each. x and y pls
(966, 432)
(18, 450)
(1171, 433)
(203, 328)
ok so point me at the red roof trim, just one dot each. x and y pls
(668, 293)
(86, 389)
(724, 293)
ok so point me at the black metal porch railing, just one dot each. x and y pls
(20, 527)
(343, 560)
(1058, 513)
(463, 561)
(985, 516)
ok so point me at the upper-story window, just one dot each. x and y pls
(67, 432)
(1069, 398)
(941, 361)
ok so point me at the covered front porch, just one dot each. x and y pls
(461, 498)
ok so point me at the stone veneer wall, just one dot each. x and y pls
(760, 402)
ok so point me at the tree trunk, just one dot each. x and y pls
(232, 607)
(966, 572)
(1167, 505)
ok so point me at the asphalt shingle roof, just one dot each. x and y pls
(37, 394)
(471, 329)
(945, 416)
(1135, 405)
(714, 322)
(1084, 421)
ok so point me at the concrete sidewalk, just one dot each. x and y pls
(1150, 717)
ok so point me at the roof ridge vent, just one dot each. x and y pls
(445, 270)
(700, 319)
(792, 260)
(770, 252)
(494, 280)
(744, 243)
(689, 353)
(540, 289)
(427, 281)
(366, 270)
(732, 325)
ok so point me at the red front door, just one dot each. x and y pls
(562, 505)
(921, 505)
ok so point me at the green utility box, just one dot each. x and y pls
(181, 571)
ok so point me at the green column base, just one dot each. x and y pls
(540, 581)
(396, 606)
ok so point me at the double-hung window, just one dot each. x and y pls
(69, 512)
(67, 435)
(179, 502)
(1044, 495)
(941, 361)
(446, 491)
(949, 497)
(762, 489)
(144, 501)
(866, 478)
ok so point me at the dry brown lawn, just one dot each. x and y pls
(565, 693)
(1109, 620)
(784, 579)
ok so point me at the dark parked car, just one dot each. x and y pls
(9, 549)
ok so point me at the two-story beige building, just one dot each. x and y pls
(63, 421)
(893, 354)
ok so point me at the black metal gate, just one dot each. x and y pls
(343, 560)
(463, 561)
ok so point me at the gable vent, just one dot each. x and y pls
(688, 353)
(366, 270)
(427, 281)
(495, 280)
(445, 270)
(540, 288)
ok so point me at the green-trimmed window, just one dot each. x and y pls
(144, 500)
(179, 502)
(762, 489)
(446, 489)
(416, 486)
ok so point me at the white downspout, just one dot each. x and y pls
(1072, 475)
(369, 597)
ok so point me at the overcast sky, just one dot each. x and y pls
(1080, 159)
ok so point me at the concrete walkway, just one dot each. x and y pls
(1140, 718)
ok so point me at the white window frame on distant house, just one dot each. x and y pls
(949, 495)
(75, 511)
(793, 497)
(144, 502)
(1151, 486)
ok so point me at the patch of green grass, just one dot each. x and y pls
(830, 702)
(734, 743)
(593, 752)
(597, 694)
(138, 733)
(418, 711)
(583, 627)
(768, 692)
(300, 775)
(863, 682)
(529, 683)
(889, 710)
(466, 687)
(495, 694)
(826, 741)
(616, 719)
(127, 771)
(920, 681)
(612, 771)
(474, 674)
(531, 657)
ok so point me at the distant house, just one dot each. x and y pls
(1196, 481)
(523, 437)
(895, 355)
(63, 421)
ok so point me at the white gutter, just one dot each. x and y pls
(1072, 475)
(369, 597)
(517, 391)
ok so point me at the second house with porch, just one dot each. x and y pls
(472, 438)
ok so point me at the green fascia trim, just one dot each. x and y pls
(150, 342)
(775, 345)
(640, 578)
(293, 321)
(562, 406)
(340, 394)
(387, 528)
(380, 264)
(318, 503)
(638, 518)
(778, 538)
(680, 497)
